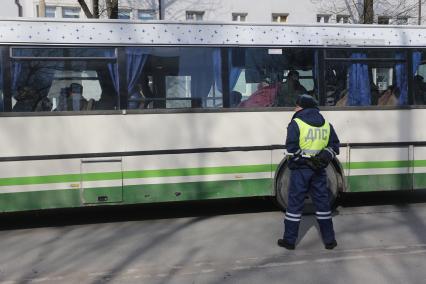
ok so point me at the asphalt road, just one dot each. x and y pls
(381, 237)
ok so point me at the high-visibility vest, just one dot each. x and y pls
(312, 139)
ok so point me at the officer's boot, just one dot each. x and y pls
(327, 233)
(291, 230)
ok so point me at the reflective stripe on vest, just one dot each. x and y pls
(312, 139)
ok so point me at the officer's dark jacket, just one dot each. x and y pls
(312, 117)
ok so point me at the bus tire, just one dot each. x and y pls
(282, 182)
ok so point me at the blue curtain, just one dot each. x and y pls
(113, 72)
(315, 73)
(401, 79)
(17, 69)
(234, 72)
(198, 63)
(136, 59)
(1, 85)
(113, 69)
(359, 83)
(417, 59)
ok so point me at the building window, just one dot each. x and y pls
(194, 15)
(279, 18)
(146, 15)
(50, 12)
(70, 12)
(239, 17)
(124, 14)
(383, 20)
(323, 18)
(342, 19)
(401, 21)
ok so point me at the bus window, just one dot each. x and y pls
(63, 79)
(169, 77)
(1, 82)
(419, 84)
(364, 78)
(267, 77)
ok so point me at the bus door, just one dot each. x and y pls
(101, 180)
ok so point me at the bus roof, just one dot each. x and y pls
(119, 32)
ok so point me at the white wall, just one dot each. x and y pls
(8, 9)
(257, 11)
(299, 11)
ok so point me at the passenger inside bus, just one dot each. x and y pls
(419, 90)
(235, 99)
(389, 97)
(26, 99)
(108, 96)
(290, 90)
(72, 99)
(264, 96)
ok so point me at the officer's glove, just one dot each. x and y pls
(314, 163)
(324, 157)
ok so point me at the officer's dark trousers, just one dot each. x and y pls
(303, 181)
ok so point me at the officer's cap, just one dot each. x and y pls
(306, 101)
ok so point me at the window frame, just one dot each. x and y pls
(345, 19)
(127, 12)
(54, 8)
(276, 16)
(151, 12)
(71, 8)
(239, 17)
(323, 18)
(383, 20)
(194, 15)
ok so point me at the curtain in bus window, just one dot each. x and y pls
(1, 84)
(401, 80)
(359, 83)
(417, 59)
(112, 68)
(198, 63)
(17, 68)
(234, 72)
(315, 73)
(255, 62)
(136, 59)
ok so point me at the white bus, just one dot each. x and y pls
(117, 112)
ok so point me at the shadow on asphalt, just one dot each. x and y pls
(382, 198)
(121, 213)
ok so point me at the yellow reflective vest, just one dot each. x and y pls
(312, 139)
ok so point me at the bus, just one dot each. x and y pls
(110, 112)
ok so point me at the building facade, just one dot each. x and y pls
(279, 11)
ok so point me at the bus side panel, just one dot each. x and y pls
(197, 176)
(379, 169)
(419, 167)
(32, 185)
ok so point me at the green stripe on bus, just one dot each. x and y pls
(198, 171)
(386, 182)
(383, 164)
(376, 165)
(134, 194)
(134, 174)
(34, 200)
(380, 182)
(197, 190)
(60, 178)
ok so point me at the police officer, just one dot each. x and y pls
(311, 143)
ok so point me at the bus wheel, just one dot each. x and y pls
(282, 183)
